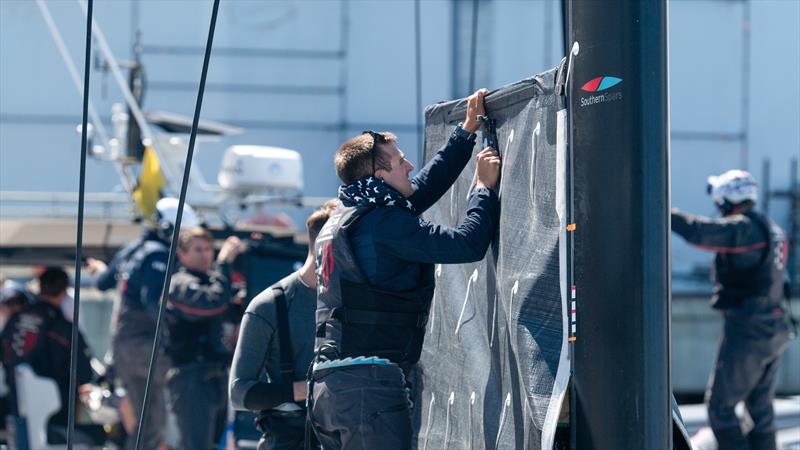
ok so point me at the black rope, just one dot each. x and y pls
(418, 65)
(473, 53)
(73, 357)
(177, 228)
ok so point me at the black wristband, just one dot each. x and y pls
(462, 135)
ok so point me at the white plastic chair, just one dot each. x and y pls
(37, 399)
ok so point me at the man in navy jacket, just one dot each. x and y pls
(375, 258)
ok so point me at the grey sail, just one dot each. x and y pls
(494, 367)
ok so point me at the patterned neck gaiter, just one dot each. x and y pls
(371, 191)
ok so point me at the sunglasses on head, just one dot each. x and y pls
(377, 138)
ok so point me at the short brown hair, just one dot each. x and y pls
(53, 282)
(353, 159)
(317, 219)
(185, 237)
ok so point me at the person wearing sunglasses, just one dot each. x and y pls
(375, 279)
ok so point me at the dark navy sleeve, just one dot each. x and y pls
(108, 279)
(440, 172)
(408, 237)
(721, 235)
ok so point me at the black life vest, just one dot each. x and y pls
(195, 341)
(355, 318)
(764, 280)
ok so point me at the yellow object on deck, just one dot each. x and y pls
(148, 190)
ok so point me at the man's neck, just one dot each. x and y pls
(50, 300)
(739, 210)
(307, 272)
(195, 270)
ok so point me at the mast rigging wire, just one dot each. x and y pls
(73, 357)
(418, 67)
(473, 53)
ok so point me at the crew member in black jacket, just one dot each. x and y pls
(40, 336)
(749, 272)
(200, 303)
(375, 258)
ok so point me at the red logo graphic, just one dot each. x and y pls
(600, 84)
(326, 266)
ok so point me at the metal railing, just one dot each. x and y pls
(32, 204)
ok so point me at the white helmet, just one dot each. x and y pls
(14, 290)
(732, 188)
(167, 211)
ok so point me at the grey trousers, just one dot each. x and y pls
(131, 364)
(747, 362)
(362, 408)
(198, 397)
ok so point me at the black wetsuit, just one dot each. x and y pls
(258, 380)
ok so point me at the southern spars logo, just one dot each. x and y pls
(598, 85)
